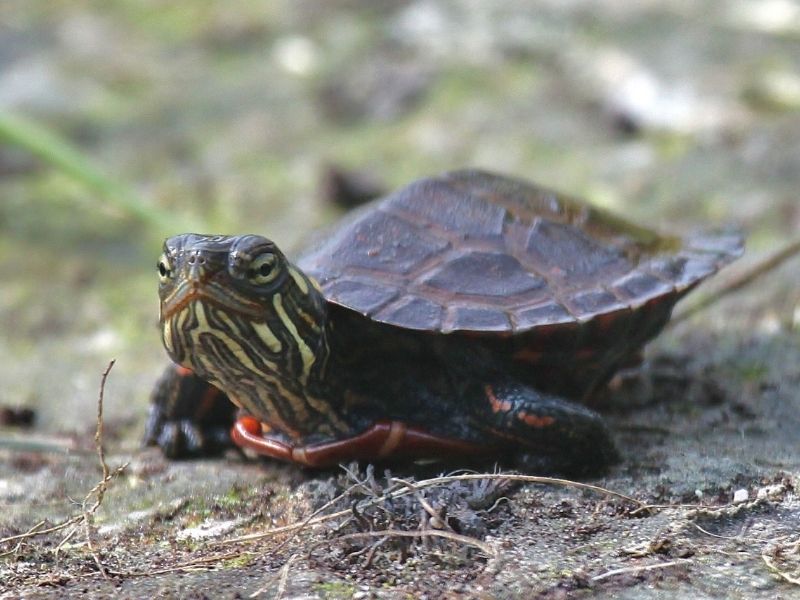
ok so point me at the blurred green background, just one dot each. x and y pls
(222, 117)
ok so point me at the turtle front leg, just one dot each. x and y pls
(383, 440)
(546, 433)
(188, 416)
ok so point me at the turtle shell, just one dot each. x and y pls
(478, 252)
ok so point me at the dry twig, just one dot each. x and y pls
(386, 533)
(97, 492)
(100, 489)
(742, 280)
(793, 548)
(205, 562)
(639, 569)
(282, 580)
(425, 483)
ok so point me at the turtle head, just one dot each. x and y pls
(238, 274)
(239, 314)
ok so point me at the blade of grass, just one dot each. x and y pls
(60, 154)
(743, 279)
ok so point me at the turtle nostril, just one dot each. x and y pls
(192, 259)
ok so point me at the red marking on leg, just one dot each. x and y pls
(382, 440)
(247, 433)
(183, 371)
(535, 420)
(250, 425)
(497, 404)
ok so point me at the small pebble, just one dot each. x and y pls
(740, 496)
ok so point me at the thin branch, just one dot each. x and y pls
(205, 562)
(448, 535)
(97, 492)
(746, 278)
(430, 483)
(100, 488)
(282, 580)
(61, 154)
(792, 548)
(775, 569)
(16, 548)
(528, 479)
(639, 569)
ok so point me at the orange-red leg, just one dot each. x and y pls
(383, 440)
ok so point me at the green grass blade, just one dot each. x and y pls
(59, 153)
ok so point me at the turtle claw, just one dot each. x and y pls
(188, 418)
(183, 438)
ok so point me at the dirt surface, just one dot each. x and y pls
(227, 116)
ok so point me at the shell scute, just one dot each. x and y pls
(418, 313)
(485, 274)
(382, 243)
(568, 255)
(482, 253)
(467, 318)
(548, 313)
(369, 296)
(639, 287)
(587, 304)
(433, 203)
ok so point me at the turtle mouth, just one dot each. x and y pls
(220, 297)
(196, 314)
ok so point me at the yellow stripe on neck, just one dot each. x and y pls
(306, 354)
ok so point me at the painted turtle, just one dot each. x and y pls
(468, 313)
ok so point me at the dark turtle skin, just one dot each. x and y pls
(468, 314)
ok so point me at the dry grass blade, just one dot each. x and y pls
(20, 538)
(778, 550)
(425, 483)
(58, 152)
(283, 579)
(448, 535)
(639, 569)
(433, 514)
(41, 445)
(100, 489)
(97, 492)
(36, 531)
(310, 517)
(205, 562)
(780, 573)
(288, 528)
(742, 280)
(526, 479)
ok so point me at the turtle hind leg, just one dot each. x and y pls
(188, 417)
(547, 434)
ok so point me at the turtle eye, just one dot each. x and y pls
(263, 269)
(164, 268)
